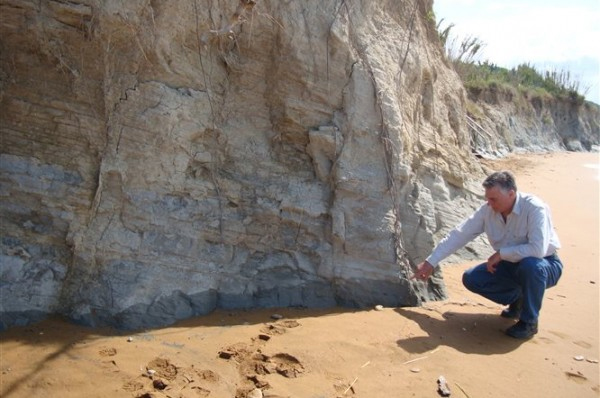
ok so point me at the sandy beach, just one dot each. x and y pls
(392, 352)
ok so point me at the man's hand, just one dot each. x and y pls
(423, 272)
(492, 262)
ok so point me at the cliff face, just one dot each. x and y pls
(163, 159)
(504, 120)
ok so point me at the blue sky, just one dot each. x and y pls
(561, 35)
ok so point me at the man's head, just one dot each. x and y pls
(500, 191)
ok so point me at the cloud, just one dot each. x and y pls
(539, 32)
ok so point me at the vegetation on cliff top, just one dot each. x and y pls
(478, 75)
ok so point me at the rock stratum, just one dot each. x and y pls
(163, 159)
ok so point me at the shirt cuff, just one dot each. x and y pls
(432, 261)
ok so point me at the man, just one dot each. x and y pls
(525, 263)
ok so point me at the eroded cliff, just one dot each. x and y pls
(503, 120)
(163, 159)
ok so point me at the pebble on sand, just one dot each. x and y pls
(443, 388)
(256, 393)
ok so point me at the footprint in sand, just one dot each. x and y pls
(287, 365)
(201, 392)
(279, 327)
(132, 385)
(108, 352)
(164, 368)
(208, 375)
(272, 330)
(289, 323)
(545, 340)
(197, 380)
(582, 344)
(253, 365)
(236, 351)
(178, 377)
(559, 334)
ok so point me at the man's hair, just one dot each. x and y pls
(501, 179)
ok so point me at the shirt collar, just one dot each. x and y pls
(517, 206)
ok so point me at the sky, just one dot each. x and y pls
(559, 35)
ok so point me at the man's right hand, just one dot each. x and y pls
(423, 272)
(493, 262)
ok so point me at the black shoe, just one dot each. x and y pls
(522, 330)
(514, 310)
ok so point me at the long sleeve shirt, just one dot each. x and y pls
(527, 231)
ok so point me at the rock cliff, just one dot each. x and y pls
(503, 120)
(163, 159)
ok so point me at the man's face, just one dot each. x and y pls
(499, 200)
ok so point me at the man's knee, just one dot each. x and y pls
(531, 266)
(468, 279)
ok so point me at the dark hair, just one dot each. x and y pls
(502, 179)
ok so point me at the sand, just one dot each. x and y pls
(392, 352)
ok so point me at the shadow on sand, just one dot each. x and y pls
(465, 332)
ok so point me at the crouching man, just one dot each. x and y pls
(525, 263)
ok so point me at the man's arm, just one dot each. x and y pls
(457, 238)
(468, 230)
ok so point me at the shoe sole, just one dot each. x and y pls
(521, 337)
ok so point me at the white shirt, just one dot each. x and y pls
(527, 231)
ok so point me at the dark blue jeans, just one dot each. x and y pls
(527, 279)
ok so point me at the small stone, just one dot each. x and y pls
(225, 354)
(276, 316)
(415, 370)
(129, 339)
(443, 388)
(150, 372)
(379, 307)
(264, 337)
(159, 384)
(579, 358)
(592, 360)
(593, 282)
(256, 393)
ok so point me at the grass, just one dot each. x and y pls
(524, 79)
(478, 76)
